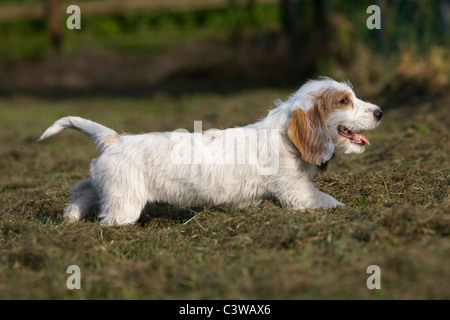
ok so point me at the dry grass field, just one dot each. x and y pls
(397, 213)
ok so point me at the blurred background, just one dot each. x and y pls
(139, 47)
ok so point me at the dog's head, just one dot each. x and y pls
(326, 114)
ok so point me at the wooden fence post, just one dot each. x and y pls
(54, 24)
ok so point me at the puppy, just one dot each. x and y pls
(276, 157)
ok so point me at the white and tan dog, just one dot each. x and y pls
(276, 157)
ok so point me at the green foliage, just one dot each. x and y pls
(136, 32)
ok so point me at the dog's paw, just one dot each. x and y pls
(326, 201)
(320, 200)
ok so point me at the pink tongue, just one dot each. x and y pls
(359, 137)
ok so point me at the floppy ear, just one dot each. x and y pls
(308, 133)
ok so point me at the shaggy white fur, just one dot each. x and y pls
(275, 157)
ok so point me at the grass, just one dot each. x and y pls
(397, 213)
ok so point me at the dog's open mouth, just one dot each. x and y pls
(354, 137)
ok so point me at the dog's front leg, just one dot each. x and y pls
(306, 196)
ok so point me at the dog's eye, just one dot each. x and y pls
(344, 101)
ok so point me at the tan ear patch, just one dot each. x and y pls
(308, 133)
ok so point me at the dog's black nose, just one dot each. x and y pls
(378, 114)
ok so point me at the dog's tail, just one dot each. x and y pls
(103, 137)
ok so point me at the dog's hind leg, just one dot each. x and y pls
(121, 210)
(84, 198)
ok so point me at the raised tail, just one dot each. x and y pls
(103, 137)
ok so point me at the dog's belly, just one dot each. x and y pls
(206, 185)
